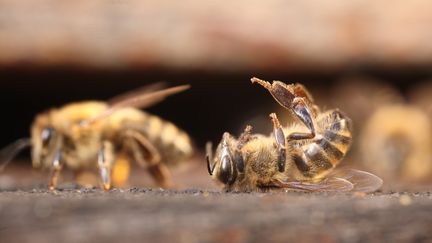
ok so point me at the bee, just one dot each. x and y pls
(360, 96)
(421, 96)
(395, 143)
(300, 156)
(96, 135)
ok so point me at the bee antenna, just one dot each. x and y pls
(209, 157)
(9, 152)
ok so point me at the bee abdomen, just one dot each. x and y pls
(172, 143)
(336, 137)
(315, 154)
(335, 127)
(328, 148)
(332, 152)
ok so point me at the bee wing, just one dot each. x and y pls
(137, 92)
(141, 98)
(363, 181)
(330, 184)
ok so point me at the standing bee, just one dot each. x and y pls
(299, 156)
(98, 135)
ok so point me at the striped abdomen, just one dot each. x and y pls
(315, 156)
(173, 144)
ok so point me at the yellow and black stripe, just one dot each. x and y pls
(173, 143)
(329, 146)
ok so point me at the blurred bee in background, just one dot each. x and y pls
(89, 135)
(396, 142)
(394, 137)
(421, 96)
(359, 96)
(298, 156)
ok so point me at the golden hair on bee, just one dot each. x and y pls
(105, 136)
(299, 156)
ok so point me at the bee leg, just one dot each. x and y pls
(280, 142)
(242, 140)
(56, 168)
(245, 137)
(151, 159)
(161, 174)
(120, 171)
(295, 98)
(303, 112)
(105, 161)
(282, 93)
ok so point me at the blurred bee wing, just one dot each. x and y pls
(10, 151)
(136, 99)
(137, 92)
(363, 181)
(330, 184)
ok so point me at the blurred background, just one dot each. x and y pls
(371, 59)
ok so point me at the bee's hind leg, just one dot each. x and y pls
(295, 98)
(105, 162)
(304, 113)
(150, 159)
(161, 174)
(56, 169)
(280, 142)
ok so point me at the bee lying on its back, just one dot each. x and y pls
(299, 156)
(87, 135)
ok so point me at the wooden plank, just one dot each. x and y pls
(143, 215)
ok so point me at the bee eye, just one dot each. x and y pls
(226, 170)
(46, 135)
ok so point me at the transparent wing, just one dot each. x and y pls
(137, 92)
(330, 184)
(140, 98)
(363, 181)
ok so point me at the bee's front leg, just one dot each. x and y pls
(105, 162)
(244, 138)
(56, 168)
(280, 142)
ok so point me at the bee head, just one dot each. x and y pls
(224, 165)
(44, 141)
